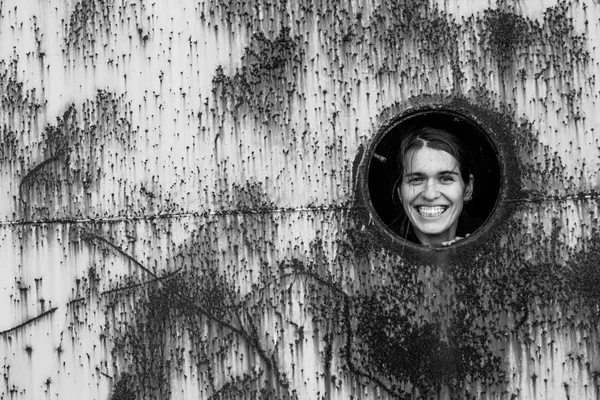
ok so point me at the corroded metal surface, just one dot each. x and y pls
(182, 214)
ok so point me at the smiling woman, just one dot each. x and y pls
(433, 177)
(434, 181)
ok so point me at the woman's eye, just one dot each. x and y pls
(447, 178)
(415, 180)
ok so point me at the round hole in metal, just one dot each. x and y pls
(382, 167)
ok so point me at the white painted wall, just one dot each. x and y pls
(123, 160)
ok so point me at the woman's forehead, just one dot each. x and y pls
(430, 160)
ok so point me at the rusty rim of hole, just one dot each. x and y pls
(485, 136)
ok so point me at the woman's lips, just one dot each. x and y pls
(431, 211)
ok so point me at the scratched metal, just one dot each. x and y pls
(180, 209)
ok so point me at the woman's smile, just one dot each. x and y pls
(431, 211)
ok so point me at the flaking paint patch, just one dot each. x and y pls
(267, 78)
(198, 318)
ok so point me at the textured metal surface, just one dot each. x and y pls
(180, 208)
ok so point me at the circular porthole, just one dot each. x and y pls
(381, 170)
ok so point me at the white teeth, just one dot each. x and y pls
(431, 211)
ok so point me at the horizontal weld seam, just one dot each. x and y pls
(204, 214)
(545, 199)
(29, 321)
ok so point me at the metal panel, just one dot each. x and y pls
(181, 213)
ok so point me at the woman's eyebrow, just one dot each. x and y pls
(450, 172)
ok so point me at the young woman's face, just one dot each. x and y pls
(433, 193)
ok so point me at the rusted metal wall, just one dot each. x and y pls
(182, 216)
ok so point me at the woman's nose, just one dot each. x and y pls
(431, 191)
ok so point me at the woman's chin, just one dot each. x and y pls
(439, 227)
(438, 232)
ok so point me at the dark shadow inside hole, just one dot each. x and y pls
(486, 167)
